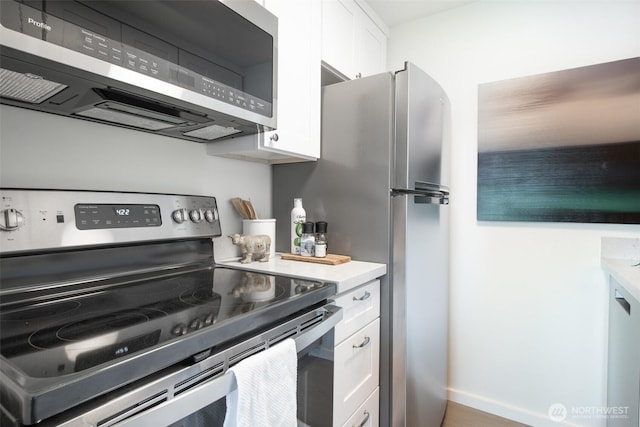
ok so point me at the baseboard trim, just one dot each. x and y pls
(505, 410)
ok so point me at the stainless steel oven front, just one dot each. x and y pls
(113, 312)
(195, 395)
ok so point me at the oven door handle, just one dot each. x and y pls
(305, 339)
(193, 400)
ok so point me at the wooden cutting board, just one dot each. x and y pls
(330, 259)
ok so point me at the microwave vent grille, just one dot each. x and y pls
(27, 87)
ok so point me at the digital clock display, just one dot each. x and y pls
(102, 216)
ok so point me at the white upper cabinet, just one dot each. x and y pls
(353, 42)
(371, 48)
(338, 35)
(297, 137)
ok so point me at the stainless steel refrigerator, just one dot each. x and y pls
(381, 186)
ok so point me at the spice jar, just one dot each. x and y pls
(321, 239)
(307, 239)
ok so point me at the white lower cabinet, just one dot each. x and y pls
(368, 414)
(360, 306)
(356, 371)
(623, 376)
(357, 356)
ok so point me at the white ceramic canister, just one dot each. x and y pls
(254, 227)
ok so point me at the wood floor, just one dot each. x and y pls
(462, 416)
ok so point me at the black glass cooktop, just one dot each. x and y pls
(75, 333)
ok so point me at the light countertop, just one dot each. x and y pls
(619, 258)
(625, 273)
(346, 276)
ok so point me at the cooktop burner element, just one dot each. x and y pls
(40, 311)
(95, 328)
(85, 329)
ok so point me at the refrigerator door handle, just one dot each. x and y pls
(431, 194)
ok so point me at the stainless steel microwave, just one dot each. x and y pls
(200, 70)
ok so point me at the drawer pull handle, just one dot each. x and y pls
(623, 302)
(366, 418)
(363, 297)
(364, 343)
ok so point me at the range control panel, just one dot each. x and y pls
(34, 220)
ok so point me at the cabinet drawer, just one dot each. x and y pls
(360, 307)
(356, 373)
(624, 356)
(368, 414)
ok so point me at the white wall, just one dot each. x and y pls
(39, 150)
(528, 300)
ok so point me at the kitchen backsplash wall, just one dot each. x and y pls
(40, 150)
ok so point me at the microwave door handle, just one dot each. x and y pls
(193, 400)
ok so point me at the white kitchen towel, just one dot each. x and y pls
(266, 389)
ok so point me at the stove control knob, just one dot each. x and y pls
(210, 215)
(196, 215)
(11, 220)
(179, 330)
(196, 324)
(209, 319)
(180, 215)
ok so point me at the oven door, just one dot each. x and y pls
(196, 395)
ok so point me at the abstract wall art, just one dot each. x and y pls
(561, 146)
